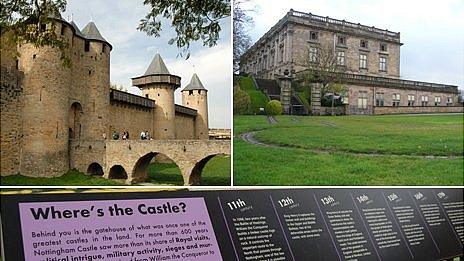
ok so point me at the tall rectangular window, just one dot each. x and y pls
(87, 46)
(341, 40)
(383, 47)
(313, 36)
(383, 64)
(362, 99)
(341, 58)
(424, 101)
(363, 61)
(449, 101)
(313, 54)
(364, 44)
(281, 54)
(411, 99)
(437, 100)
(396, 98)
(379, 99)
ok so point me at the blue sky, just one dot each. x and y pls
(432, 31)
(133, 51)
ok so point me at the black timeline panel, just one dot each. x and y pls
(253, 226)
(408, 217)
(451, 202)
(345, 225)
(381, 225)
(438, 223)
(303, 225)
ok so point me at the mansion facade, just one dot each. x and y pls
(368, 58)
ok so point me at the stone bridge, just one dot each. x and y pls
(129, 159)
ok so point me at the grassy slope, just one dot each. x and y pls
(258, 99)
(255, 165)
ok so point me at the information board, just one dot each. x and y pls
(275, 224)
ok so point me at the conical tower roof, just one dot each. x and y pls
(195, 84)
(157, 73)
(157, 66)
(91, 32)
(78, 32)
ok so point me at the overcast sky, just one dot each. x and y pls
(432, 31)
(133, 51)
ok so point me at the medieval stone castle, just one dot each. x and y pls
(369, 56)
(55, 118)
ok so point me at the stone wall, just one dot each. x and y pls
(45, 114)
(354, 92)
(11, 94)
(339, 110)
(352, 49)
(417, 109)
(286, 46)
(185, 127)
(131, 118)
(84, 153)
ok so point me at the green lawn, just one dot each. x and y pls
(258, 99)
(216, 172)
(339, 138)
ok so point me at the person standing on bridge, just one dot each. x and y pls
(142, 135)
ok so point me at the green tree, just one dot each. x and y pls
(242, 101)
(29, 21)
(325, 68)
(273, 107)
(192, 20)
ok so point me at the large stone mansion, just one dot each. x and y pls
(55, 118)
(369, 56)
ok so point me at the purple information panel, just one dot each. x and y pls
(138, 229)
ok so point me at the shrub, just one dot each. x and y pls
(274, 107)
(241, 101)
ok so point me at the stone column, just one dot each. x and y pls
(289, 44)
(286, 92)
(316, 99)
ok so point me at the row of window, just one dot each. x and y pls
(341, 60)
(341, 40)
(396, 98)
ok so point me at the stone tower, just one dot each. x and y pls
(45, 115)
(62, 105)
(96, 66)
(195, 96)
(159, 85)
